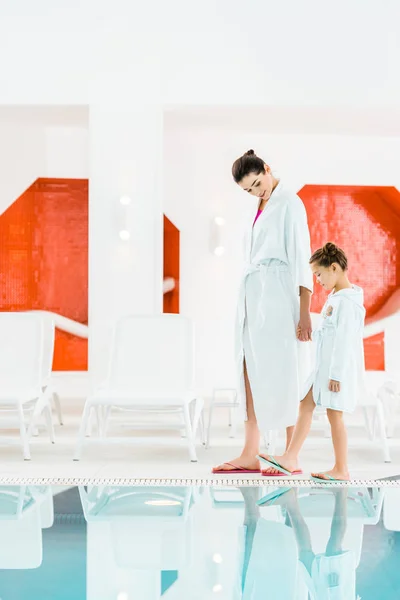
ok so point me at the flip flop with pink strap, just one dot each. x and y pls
(236, 469)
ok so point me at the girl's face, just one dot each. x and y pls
(326, 276)
(258, 185)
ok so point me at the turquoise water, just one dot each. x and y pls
(125, 543)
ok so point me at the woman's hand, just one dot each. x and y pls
(334, 386)
(304, 328)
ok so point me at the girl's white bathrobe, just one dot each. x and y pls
(277, 252)
(339, 351)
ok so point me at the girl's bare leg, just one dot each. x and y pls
(339, 439)
(290, 459)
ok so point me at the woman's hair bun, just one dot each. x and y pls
(248, 163)
(330, 249)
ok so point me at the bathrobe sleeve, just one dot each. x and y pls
(298, 248)
(345, 329)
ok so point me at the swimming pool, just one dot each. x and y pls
(175, 543)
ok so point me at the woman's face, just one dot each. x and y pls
(258, 185)
(326, 276)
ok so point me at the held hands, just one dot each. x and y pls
(304, 328)
(334, 386)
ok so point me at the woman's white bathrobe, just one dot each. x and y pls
(277, 254)
(339, 351)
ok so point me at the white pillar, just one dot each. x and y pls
(391, 342)
(125, 277)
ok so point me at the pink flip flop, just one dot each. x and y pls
(236, 469)
(299, 472)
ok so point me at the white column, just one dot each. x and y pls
(125, 276)
(392, 332)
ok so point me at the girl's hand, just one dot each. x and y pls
(304, 328)
(334, 386)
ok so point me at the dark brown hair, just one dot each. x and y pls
(246, 164)
(329, 254)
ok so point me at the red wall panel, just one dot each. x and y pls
(365, 222)
(171, 264)
(44, 259)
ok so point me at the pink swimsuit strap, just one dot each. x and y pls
(257, 215)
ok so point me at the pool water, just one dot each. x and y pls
(184, 543)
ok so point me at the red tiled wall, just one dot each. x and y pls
(171, 264)
(365, 222)
(44, 259)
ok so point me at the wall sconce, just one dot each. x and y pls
(217, 236)
(168, 285)
(122, 217)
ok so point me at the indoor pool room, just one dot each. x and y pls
(199, 300)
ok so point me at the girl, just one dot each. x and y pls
(339, 370)
(274, 302)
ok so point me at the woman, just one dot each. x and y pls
(273, 307)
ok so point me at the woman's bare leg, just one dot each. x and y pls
(247, 459)
(251, 517)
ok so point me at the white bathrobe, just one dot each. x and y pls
(277, 254)
(272, 568)
(339, 351)
(332, 577)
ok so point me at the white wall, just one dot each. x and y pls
(22, 160)
(198, 186)
(30, 149)
(67, 152)
(125, 277)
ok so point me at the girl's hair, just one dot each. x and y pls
(329, 254)
(246, 164)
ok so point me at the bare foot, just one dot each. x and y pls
(333, 473)
(249, 463)
(287, 462)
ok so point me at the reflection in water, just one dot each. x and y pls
(269, 554)
(138, 539)
(329, 574)
(169, 543)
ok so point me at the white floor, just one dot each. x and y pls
(123, 460)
